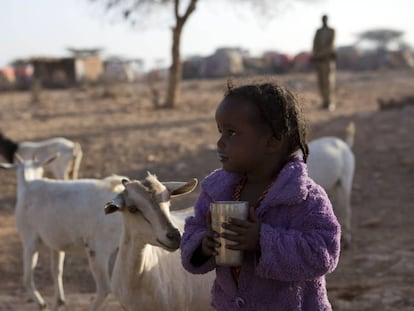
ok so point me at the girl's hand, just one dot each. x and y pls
(209, 242)
(246, 233)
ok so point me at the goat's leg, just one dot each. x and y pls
(98, 264)
(343, 212)
(57, 259)
(76, 161)
(30, 256)
(69, 170)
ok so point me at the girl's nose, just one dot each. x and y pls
(220, 143)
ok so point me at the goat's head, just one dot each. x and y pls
(33, 169)
(145, 206)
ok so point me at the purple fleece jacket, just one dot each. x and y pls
(299, 245)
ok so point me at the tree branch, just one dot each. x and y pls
(190, 9)
(176, 9)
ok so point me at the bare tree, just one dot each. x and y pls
(382, 38)
(134, 10)
(137, 10)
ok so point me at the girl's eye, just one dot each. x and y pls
(231, 133)
(228, 132)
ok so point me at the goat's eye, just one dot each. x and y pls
(132, 209)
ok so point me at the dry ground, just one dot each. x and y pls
(123, 134)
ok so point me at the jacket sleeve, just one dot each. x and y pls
(306, 250)
(194, 231)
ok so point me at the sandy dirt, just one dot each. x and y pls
(121, 133)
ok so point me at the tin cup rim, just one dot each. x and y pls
(229, 202)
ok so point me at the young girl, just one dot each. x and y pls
(291, 240)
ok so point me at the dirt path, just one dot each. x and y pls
(124, 135)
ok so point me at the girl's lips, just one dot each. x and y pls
(222, 157)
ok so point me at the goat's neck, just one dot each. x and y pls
(138, 269)
(21, 183)
(135, 263)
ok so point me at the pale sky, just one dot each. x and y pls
(47, 27)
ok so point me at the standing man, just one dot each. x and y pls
(324, 59)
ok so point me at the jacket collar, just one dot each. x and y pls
(289, 188)
(219, 185)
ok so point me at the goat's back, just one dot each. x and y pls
(67, 213)
(329, 159)
(51, 145)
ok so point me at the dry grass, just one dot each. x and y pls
(124, 134)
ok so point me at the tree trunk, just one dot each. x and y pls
(175, 71)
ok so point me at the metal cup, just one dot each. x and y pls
(221, 211)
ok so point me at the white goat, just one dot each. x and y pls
(148, 274)
(67, 216)
(331, 164)
(64, 167)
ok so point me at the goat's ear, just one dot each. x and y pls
(18, 158)
(125, 181)
(115, 205)
(177, 188)
(8, 166)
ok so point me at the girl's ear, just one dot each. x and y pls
(273, 143)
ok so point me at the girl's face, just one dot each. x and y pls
(242, 146)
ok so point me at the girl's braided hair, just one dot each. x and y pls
(279, 108)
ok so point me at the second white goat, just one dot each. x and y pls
(66, 216)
